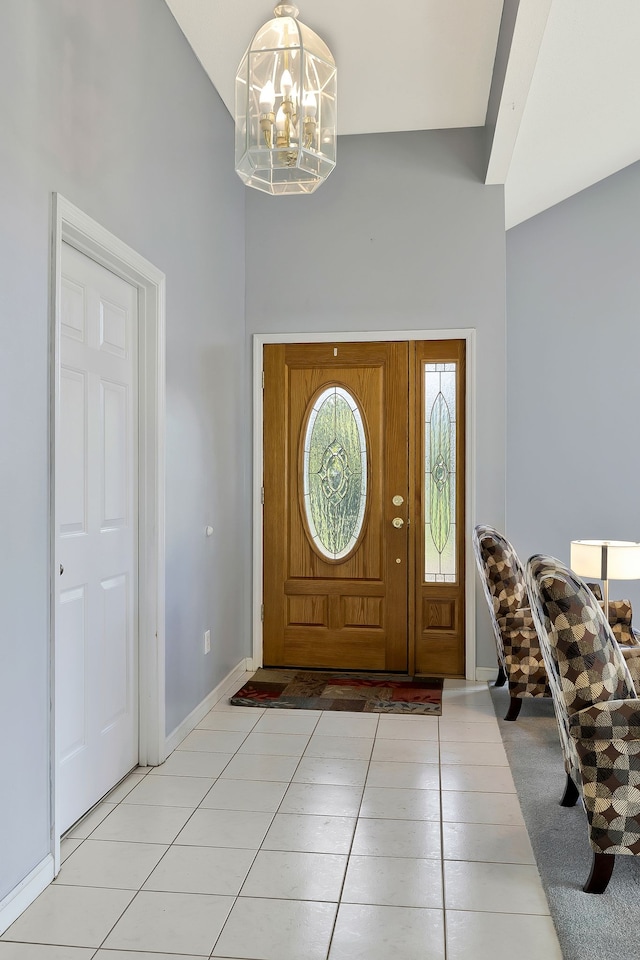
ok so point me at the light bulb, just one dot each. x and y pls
(281, 120)
(310, 105)
(285, 84)
(267, 97)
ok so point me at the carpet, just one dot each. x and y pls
(359, 692)
(605, 927)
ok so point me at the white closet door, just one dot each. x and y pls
(96, 642)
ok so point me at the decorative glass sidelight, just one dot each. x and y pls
(334, 472)
(440, 472)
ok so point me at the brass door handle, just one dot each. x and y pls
(397, 522)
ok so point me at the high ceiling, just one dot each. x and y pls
(565, 101)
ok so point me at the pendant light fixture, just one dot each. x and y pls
(285, 108)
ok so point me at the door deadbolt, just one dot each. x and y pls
(397, 522)
(397, 500)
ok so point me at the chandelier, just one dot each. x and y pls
(285, 110)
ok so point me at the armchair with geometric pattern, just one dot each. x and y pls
(520, 660)
(597, 710)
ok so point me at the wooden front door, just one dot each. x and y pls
(361, 505)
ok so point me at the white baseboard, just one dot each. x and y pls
(25, 893)
(486, 673)
(199, 712)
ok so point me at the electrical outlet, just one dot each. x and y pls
(207, 641)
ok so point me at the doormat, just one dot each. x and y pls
(355, 692)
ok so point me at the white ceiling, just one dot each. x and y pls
(581, 122)
(570, 108)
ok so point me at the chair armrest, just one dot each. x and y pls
(619, 615)
(523, 659)
(520, 619)
(608, 720)
(620, 611)
(519, 637)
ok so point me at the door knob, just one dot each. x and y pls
(397, 522)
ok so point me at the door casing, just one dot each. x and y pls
(71, 225)
(259, 340)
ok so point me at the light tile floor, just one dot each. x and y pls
(295, 835)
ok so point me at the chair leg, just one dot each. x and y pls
(570, 795)
(514, 708)
(501, 679)
(601, 870)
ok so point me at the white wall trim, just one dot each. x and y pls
(486, 673)
(259, 340)
(26, 892)
(528, 34)
(198, 713)
(74, 227)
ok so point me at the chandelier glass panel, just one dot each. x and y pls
(286, 124)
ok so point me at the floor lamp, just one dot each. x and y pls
(606, 560)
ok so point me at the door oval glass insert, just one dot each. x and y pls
(334, 473)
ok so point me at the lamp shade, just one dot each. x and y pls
(606, 559)
(285, 108)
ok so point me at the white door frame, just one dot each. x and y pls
(259, 340)
(74, 227)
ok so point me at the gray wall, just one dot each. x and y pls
(402, 236)
(573, 335)
(90, 109)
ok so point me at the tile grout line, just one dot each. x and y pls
(442, 877)
(237, 897)
(355, 829)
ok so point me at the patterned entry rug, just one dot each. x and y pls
(361, 692)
